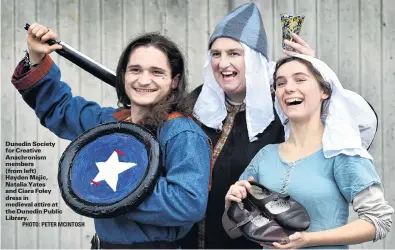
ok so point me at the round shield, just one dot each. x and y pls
(109, 169)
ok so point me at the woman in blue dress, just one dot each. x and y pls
(323, 163)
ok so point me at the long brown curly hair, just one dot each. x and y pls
(176, 100)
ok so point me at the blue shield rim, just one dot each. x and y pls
(131, 201)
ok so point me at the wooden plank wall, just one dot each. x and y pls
(355, 37)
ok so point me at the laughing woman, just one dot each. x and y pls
(323, 164)
(235, 109)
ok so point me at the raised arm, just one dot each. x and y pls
(37, 79)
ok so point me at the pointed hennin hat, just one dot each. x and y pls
(243, 24)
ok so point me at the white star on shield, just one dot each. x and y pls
(110, 169)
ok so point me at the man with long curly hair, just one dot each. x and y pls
(151, 89)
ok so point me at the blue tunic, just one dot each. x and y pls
(325, 187)
(179, 199)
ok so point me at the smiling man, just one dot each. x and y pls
(147, 84)
(151, 90)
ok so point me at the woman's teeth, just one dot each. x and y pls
(228, 75)
(293, 101)
(144, 90)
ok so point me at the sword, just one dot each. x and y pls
(83, 61)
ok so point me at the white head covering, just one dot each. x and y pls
(210, 106)
(350, 123)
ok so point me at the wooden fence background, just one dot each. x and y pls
(355, 37)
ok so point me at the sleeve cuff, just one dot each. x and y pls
(23, 79)
(383, 227)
